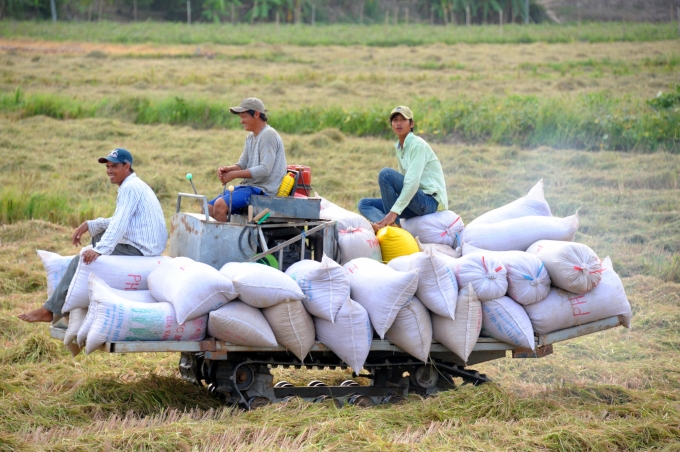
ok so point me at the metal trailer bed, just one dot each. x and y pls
(241, 375)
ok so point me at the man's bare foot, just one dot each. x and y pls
(375, 227)
(37, 315)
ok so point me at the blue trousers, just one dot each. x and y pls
(391, 184)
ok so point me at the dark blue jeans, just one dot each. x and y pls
(391, 184)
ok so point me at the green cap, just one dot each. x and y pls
(250, 103)
(402, 110)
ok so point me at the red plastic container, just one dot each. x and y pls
(304, 186)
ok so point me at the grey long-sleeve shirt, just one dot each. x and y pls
(265, 157)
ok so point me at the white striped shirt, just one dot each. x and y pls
(137, 221)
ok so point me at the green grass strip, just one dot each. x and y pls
(591, 121)
(335, 34)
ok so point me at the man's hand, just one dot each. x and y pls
(388, 220)
(78, 233)
(90, 256)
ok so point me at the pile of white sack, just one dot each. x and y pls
(510, 274)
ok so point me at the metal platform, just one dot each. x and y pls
(211, 346)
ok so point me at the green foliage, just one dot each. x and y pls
(337, 34)
(18, 206)
(665, 101)
(592, 121)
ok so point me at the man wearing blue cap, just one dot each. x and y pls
(137, 228)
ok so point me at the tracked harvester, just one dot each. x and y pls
(242, 375)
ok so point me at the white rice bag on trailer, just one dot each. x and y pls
(118, 272)
(560, 309)
(141, 296)
(486, 273)
(573, 267)
(381, 290)
(533, 204)
(528, 279)
(324, 283)
(442, 227)
(193, 288)
(356, 240)
(506, 320)
(412, 330)
(261, 286)
(75, 321)
(117, 319)
(460, 335)
(437, 285)
(292, 325)
(55, 267)
(241, 324)
(350, 336)
(446, 250)
(518, 234)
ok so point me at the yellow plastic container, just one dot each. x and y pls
(395, 242)
(287, 184)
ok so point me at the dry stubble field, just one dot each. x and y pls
(616, 390)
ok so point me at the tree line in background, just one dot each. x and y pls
(441, 12)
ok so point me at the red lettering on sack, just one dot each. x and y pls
(373, 243)
(351, 270)
(576, 311)
(539, 248)
(131, 286)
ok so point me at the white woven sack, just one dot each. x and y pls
(573, 267)
(533, 204)
(412, 330)
(460, 335)
(506, 320)
(331, 211)
(141, 296)
(193, 288)
(528, 279)
(446, 250)
(261, 286)
(442, 227)
(560, 309)
(325, 285)
(380, 289)
(486, 273)
(55, 267)
(437, 285)
(356, 239)
(350, 336)
(119, 272)
(241, 324)
(292, 325)
(75, 321)
(519, 233)
(117, 320)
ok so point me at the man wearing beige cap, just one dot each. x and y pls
(418, 188)
(261, 167)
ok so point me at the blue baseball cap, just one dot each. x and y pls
(118, 155)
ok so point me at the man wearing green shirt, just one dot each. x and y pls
(418, 188)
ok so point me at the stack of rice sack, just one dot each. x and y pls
(552, 282)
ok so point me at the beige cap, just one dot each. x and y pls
(402, 110)
(251, 103)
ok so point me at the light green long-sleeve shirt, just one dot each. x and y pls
(421, 169)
